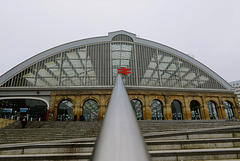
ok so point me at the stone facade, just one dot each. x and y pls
(102, 97)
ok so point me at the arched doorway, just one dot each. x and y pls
(195, 110)
(65, 111)
(176, 110)
(90, 110)
(212, 110)
(137, 106)
(157, 110)
(228, 110)
(14, 108)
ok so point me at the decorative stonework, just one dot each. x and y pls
(102, 97)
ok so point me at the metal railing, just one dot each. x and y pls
(120, 138)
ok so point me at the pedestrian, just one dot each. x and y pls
(24, 121)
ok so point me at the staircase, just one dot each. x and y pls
(165, 140)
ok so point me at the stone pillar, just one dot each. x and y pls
(223, 113)
(186, 110)
(221, 110)
(51, 107)
(101, 109)
(55, 113)
(236, 108)
(81, 110)
(168, 109)
(205, 112)
(77, 107)
(147, 115)
(235, 112)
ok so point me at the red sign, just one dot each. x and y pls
(124, 70)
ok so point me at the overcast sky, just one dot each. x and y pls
(207, 29)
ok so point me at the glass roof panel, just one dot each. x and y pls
(51, 64)
(172, 67)
(96, 64)
(167, 59)
(148, 73)
(152, 65)
(44, 73)
(190, 76)
(127, 47)
(124, 63)
(72, 55)
(163, 66)
(28, 75)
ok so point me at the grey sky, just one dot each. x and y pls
(207, 29)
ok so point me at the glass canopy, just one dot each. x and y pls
(96, 65)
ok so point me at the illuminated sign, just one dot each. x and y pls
(7, 110)
(124, 70)
(23, 109)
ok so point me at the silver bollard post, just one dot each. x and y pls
(120, 138)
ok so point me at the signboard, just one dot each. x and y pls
(124, 71)
(7, 110)
(23, 109)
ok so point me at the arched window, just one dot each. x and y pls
(65, 111)
(90, 110)
(122, 37)
(228, 110)
(157, 110)
(212, 110)
(195, 110)
(176, 110)
(137, 106)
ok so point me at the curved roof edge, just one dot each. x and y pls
(108, 38)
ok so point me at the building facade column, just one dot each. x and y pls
(77, 107)
(205, 112)
(168, 109)
(147, 106)
(187, 109)
(187, 112)
(223, 112)
(51, 107)
(236, 108)
(102, 106)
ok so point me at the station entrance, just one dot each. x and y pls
(16, 108)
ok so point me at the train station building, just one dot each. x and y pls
(74, 81)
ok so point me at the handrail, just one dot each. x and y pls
(120, 137)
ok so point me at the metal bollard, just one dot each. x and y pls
(120, 138)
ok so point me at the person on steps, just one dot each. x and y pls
(24, 121)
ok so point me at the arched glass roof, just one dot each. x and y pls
(94, 62)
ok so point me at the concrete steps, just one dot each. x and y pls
(188, 140)
(80, 149)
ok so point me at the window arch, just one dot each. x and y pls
(122, 37)
(90, 110)
(195, 110)
(176, 110)
(228, 110)
(212, 110)
(65, 111)
(137, 107)
(157, 110)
